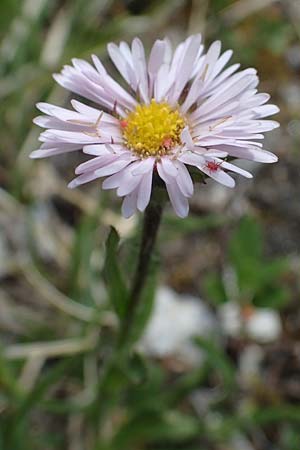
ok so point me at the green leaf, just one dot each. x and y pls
(146, 303)
(170, 426)
(274, 269)
(187, 383)
(8, 379)
(137, 369)
(258, 279)
(17, 425)
(116, 286)
(143, 392)
(80, 261)
(51, 377)
(219, 361)
(246, 244)
(276, 414)
(191, 224)
(246, 256)
(214, 289)
(272, 297)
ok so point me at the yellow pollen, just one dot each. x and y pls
(152, 130)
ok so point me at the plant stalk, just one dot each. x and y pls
(151, 222)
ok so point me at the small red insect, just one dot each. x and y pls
(213, 166)
(167, 143)
(123, 123)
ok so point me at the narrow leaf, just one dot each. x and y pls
(116, 286)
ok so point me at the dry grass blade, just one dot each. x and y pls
(197, 18)
(30, 372)
(243, 8)
(52, 295)
(52, 349)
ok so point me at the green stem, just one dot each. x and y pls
(151, 222)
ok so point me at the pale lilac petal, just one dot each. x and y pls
(164, 175)
(139, 62)
(113, 181)
(144, 191)
(251, 153)
(162, 83)
(192, 95)
(224, 76)
(185, 67)
(119, 60)
(123, 178)
(52, 122)
(157, 56)
(219, 175)
(184, 180)
(98, 64)
(187, 138)
(101, 149)
(144, 166)
(95, 163)
(84, 80)
(216, 153)
(93, 113)
(266, 110)
(112, 168)
(220, 98)
(82, 179)
(57, 111)
(168, 166)
(222, 112)
(233, 168)
(128, 182)
(160, 57)
(129, 205)
(96, 150)
(221, 63)
(192, 158)
(178, 200)
(211, 59)
(45, 153)
(70, 137)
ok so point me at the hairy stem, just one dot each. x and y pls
(151, 222)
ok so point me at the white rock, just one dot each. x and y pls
(176, 319)
(249, 364)
(230, 318)
(263, 324)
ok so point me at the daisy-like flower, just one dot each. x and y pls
(181, 109)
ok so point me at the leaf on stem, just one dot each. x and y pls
(116, 286)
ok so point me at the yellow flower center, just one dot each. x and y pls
(152, 130)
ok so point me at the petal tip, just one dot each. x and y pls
(73, 184)
(36, 154)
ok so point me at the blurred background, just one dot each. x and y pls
(218, 365)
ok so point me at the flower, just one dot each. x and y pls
(182, 109)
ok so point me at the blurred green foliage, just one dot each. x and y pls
(258, 281)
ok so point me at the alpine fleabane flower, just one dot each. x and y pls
(182, 109)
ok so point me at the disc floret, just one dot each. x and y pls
(153, 129)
